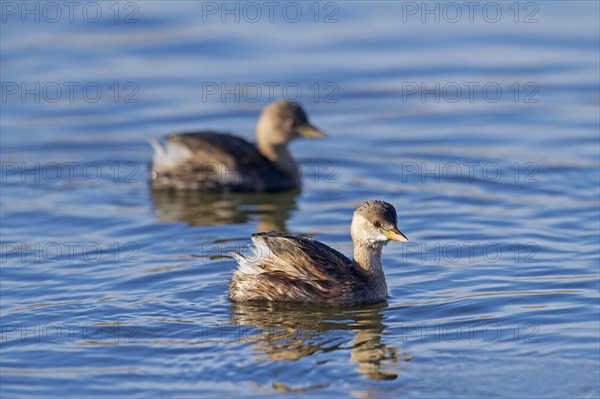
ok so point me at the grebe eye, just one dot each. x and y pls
(377, 224)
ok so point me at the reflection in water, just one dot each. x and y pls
(206, 209)
(291, 332)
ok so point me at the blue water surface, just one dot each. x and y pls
(480, 125)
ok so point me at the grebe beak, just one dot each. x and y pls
(395, 235)
(310, 132)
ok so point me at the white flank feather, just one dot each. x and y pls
(251, 264)
(168, 156)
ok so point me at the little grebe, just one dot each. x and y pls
(296, 269)
(218, 162)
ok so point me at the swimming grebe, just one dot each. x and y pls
(217, 162)
(296, 269)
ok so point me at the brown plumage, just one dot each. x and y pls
(218, 162)
(296, 269)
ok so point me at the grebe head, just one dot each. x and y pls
(375, 222)
(283, 121)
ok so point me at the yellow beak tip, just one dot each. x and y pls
(399, 236)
